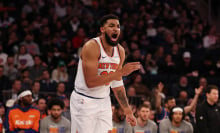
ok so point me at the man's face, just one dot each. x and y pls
(37, 61)
(36, 87)
(177, 117)
(42, 104)
(111, 30)
(183, 81)
(56, 112)
(213, 96)
(144, 113)
(46, 75)
(17, 85)
(27, 100)
(10, 60)
(61, 87)
(171, 103)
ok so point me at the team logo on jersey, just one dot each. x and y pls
(31, 116)
(23, 122)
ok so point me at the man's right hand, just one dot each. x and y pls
(130, 67)
(131, 120)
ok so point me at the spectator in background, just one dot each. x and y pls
(194, 42)
(207, 113)
(182, 98)
(175, 53)
(23, 59)
(31, 46)
(186, 66)
(60, 8)
(170, 102)
(176, 122)
(42, 106)
(50, 59)
(9, 69)
(6, 20)
(55, 122)
(140, 88)
(191, 116)
(151, 31)
(12, 43)
(35, 88)
(3, 55)
(209, 41)
(46, 83)
(80, 38)
(203, 82)
(131, 91)
(66, 109)
(135, 55)
(73, 25)
(119, 121)
(60, 74)
(25, 79)
(159, 55)
(45, 38)
(4, 81)
(150, 65)
(167, 66)
(207, 67)
(13, 92)
(144, 124)
(2, 117)
(60, 90)
(37, 69)
(182, 85)
(23, 117)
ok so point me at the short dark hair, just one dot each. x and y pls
(104, 19)
(169, 98)
(171, 112)
(55, 101)
(36, 81)
(40, 99)
(210, 88)
(144, 106)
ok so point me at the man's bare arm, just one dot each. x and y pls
(121, 97)
(90, 55)
(188, 108)
(158, 97)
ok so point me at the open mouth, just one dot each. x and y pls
(114, 37)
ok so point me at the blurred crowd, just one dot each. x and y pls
(40, 43)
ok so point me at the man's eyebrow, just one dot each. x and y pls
(111, 24)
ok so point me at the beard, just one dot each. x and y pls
(55, 117)
(109, 41)
(26, 103)
(144, 118)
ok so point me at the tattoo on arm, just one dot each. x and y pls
(122, 98)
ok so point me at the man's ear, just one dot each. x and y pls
(102, 29)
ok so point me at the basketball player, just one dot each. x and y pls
(100, 67)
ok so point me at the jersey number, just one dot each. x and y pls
(106, 73)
